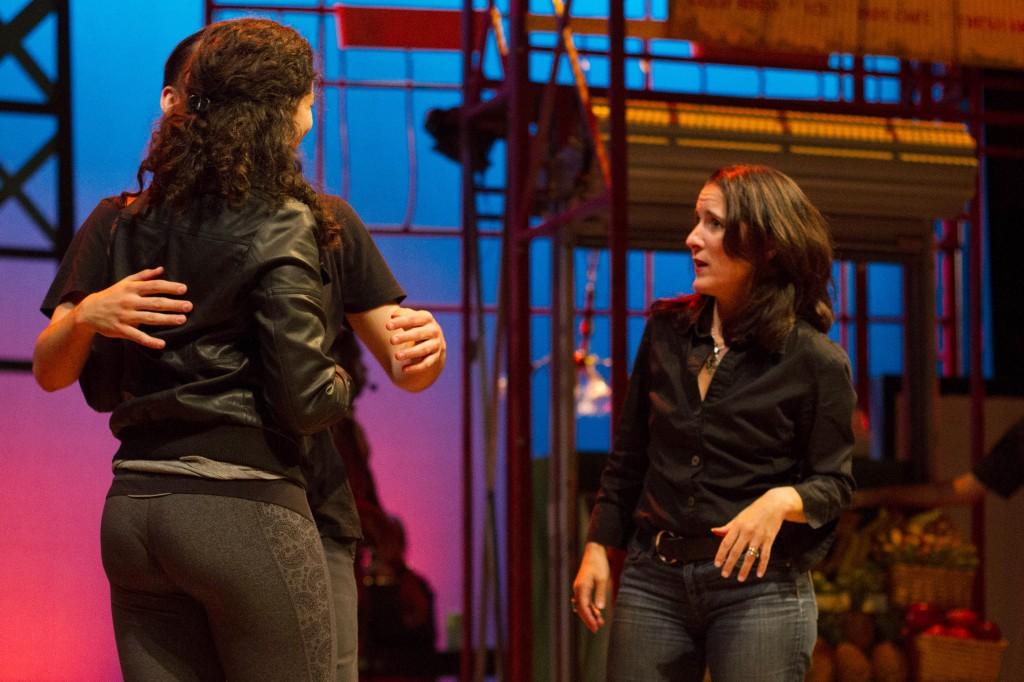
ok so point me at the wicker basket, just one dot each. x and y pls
(951, 659)
(946, 588)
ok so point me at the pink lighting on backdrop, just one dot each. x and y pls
(53, 594)
(55, 454)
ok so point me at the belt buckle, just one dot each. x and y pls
(657, 550)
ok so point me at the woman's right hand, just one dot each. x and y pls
(119, 310)
(591, 587)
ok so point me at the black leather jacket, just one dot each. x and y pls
(246, 379)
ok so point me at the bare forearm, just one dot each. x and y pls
(790, 502)
(61, 350)
(408, 344)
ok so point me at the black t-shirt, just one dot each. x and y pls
(1002, 469)
(357, 279)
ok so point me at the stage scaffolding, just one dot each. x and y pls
(525, 106)
(927, 92)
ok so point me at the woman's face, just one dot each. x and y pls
(304, 116)
(716, 273)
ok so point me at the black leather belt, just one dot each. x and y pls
(674, 549)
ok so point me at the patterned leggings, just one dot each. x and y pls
(205, 587)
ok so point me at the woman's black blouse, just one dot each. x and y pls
(768, 420)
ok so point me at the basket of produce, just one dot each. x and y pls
(955, 645)
(928, 562)
(858, 646)
(944, 587)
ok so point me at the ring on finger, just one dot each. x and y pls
(753, 552)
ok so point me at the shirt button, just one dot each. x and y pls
(695, 460)
(690, 501)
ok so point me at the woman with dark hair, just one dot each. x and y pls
(215, 565)
(731, 461)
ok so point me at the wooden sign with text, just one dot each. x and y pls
(974, 32)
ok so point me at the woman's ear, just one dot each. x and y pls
(168, 99)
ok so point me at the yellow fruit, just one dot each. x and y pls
(851, 664)
(889, 663)
(823, 663)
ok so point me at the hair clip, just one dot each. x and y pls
(198, 104)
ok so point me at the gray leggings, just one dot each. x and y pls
(205, 587)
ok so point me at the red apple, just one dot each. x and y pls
(987, 630)
(937, 630)
(921, 616)
(959, 632)
(964, 618)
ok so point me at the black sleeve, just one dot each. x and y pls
(306, 390)
(1002, 469)
(83, 269)
(611, 522)
(367, 281)
(827, 484)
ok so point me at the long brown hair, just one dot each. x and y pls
(233, 130)
(771, 224)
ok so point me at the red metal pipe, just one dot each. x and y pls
(540, 145)
(861, 312)
(520, 494)
(579, 211)
(977, 382)
(618, 225)
(319, 162)
(469, 344)
(947, 247)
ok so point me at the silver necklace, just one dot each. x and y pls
(712, 361)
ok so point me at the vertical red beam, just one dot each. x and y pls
(844, 312)
(469, 342)
(863, 377)
(974, 279)
(520, 493)
(319, 161)
(948, 245)
(952, 297)
(619, 213)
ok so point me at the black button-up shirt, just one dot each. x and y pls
(769, 419)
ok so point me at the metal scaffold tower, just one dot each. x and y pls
(641, 154)
(939, 106)
(50, 102)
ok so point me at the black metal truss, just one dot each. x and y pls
(57, 107)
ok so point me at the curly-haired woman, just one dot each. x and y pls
(732, 458)
(215, 566)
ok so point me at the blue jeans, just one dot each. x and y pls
(672, 621)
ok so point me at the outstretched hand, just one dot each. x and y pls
(140, 299)
(421, 340)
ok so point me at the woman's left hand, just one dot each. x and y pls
(420, 337)
(749, 536)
